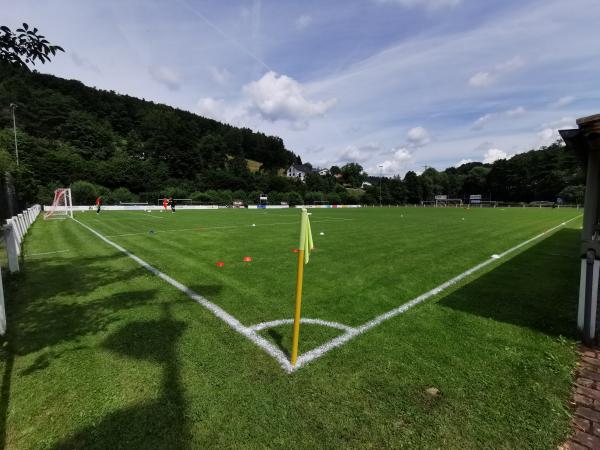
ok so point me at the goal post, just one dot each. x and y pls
(62, 205)
(444, 201)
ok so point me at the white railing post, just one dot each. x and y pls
(14, 229)
(22, 224)
(12, 246)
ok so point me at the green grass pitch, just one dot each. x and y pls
(102, 353)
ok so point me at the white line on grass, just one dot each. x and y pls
(349, 332)
(277, 323)
(342, 339)
(224, 227)
(263, 343)
(46, 253)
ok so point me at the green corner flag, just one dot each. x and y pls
(306, 240)
(306, 245)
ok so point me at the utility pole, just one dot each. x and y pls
(12, 108)
(380, 177)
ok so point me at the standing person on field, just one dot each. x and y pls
(172, 202)
(98, 204)
(165, 203)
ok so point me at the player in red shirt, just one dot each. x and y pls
(165, 203)
(98, 204)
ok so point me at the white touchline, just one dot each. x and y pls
(47, 253)
(349, 332)
(257, 339)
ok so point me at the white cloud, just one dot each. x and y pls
(397, 164)
(418, 137)
(212, 108)
(512, 64)
(430, 5)
(549, 131)
(481, 79)
(279, 97)
(166, 76)
(516, 112)
(482, 122)
(494, 154)
(220, 76)
(463, 161)
(563, 101)
(486, 78)
(353, 153)
(84, 63)
(303, 21)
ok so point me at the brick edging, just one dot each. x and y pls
(586, 402)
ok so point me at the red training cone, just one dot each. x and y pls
(295, 250)
(247, 259)
(220, 263)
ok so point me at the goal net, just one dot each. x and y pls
(455, 202)
(62, 205)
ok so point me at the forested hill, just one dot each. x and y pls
(71, 131)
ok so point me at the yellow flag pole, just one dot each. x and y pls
(299, 281)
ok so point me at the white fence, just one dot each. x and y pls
(14, 231)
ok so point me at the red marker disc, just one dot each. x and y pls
(295, 250)
(247, 259)
(220, 263)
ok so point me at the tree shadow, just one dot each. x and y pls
(537, 288)
(160, 423)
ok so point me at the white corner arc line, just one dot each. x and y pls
(219, 312)
(317, 352)
(277, 323)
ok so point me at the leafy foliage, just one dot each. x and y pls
(25, 46)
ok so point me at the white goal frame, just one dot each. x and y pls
(448, 202)
(62, 205)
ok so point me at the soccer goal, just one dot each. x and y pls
(62, 205)
(443, 201)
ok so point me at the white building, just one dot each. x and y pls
(301, 170)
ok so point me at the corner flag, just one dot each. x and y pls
(306, 245)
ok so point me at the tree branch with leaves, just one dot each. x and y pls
(25, 46)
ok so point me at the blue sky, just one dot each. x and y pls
(401, 84)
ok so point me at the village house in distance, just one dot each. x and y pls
(302, 170)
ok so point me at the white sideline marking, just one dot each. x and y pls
(153, 217)
(47, 253)
(263, 343)
(276, 323)
(349, 332)
(224, 227)
(342, 339)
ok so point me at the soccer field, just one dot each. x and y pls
(134, 361)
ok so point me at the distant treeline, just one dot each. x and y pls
(127, 149)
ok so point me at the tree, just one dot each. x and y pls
(353, 174)
(25, 46)
(413, 187)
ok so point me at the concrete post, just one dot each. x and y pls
(585, 141)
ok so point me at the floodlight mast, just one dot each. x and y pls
(380, 180)
(585, 141)
(12, 108)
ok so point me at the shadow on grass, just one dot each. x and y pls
(156, 424)
(537, 288)
(278, 340)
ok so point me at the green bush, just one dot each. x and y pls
(84, 192)
(122, 195)
(201, 197)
